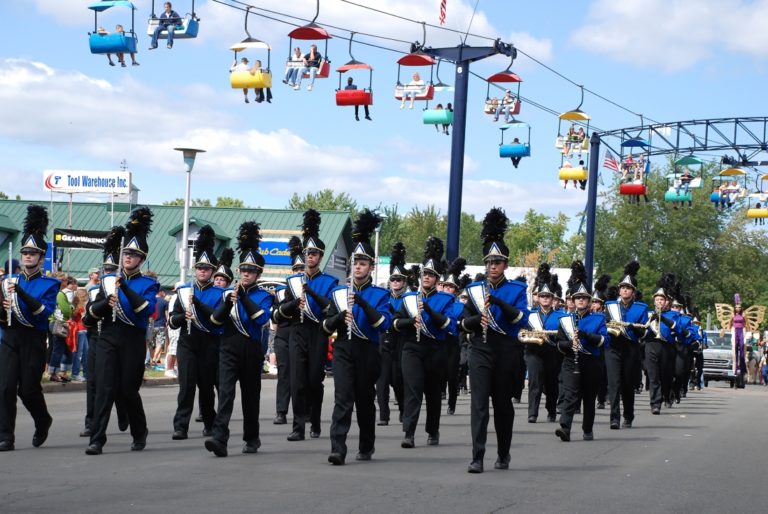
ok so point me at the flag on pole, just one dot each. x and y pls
(442, 11)
(610, 161)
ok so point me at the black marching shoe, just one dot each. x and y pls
(86, 432)
(407, 442)
(532, 419)
(563, 434)
(451, 411)
(588, 436)
(502, 462)
(476, 466)
(314, 434)
(41, 434)
(336, 459)
(669, 404)
(179, 435)
(199, 418)
(139, 444)
(627, 423)
(252, 446)
(280, 419)
(218, 448)
(383, 422)
(656, 410)
(365, 456)
(614, 425)
(207, 432)
(122, 423)
(601, 405)
(93, 449)
(550, 419)
(433, 440)
(6, 446)
(295, 436)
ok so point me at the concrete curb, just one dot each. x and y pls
(58, 387)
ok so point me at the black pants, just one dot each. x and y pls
(621, 364)
(660, 365)
(492, 368)
(602, 382)
(543, 364)
(240, 360)
(90, 390)
(385, 377)
(452, 370)
(283, 393)
(577, 387)
(308, 348)
(198, 361)
(423, 368)
(682, 370)
(697, 368)
(356, 364)
(119, 356)
(22, 360)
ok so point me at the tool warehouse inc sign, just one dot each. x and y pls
(69, 181)
(89, 239)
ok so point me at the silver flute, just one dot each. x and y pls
(10, 272)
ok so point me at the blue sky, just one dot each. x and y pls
(63, 108)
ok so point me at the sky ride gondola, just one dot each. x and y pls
(354, 97)
(516, 148)
(758, 210)
(253, 78)
(726, 188)
(574, 144)
(311, 32)
(503, 77)
(416, 89)
(439, 115)
(634, 186)
(186, 29)
(101, 42)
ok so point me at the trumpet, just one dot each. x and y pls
(537, 337)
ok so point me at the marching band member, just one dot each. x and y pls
(424, 319)
(120, 351)
(197, 355)
(659, 345)
(392, 341)
(308, 343)
(497, 310)
(242, 314)
(453, 283)
(622, 354)
(544, 361)
(598, 305)
(29, 298)
(358, 314)
(581, 336)
(282, 336)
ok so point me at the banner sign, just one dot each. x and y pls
(275, 252)
(72, 181)
(69, 238)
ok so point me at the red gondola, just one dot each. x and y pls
(311, 32)
(355, 96)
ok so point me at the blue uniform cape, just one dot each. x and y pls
(322, 284)
(439, 302)
(212, 296)
(592, 322)
(147, 288)
(549, 321)
(512, 292)
(637, 312)
(44, 289)
(378, 298)
(251, 327)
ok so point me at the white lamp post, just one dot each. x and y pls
(189, 159)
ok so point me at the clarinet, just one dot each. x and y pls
(486, 310)
(9, 312)
(303, 297)
(119, 275)
(575, 343)
(418, 315)
(349, 302)
(189, 320)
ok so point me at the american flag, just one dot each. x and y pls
(610, 161)
(442, 11)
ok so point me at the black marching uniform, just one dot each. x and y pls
(121, 349)
(197, 355)
(391, 343)
(496, 354)
(622, 354)
(23, 348)
(241, 356)
(581, 365)
(659, 348)
(282, 336)
(356, 356)
(423, 359)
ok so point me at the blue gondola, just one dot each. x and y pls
(517, 149)
(101, 42)
(187, 29)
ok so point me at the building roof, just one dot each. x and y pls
(167, 221)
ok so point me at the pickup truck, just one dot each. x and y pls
(718, 359)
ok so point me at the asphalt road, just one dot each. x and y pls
(705, 455)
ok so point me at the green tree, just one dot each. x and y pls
(325, 200)
(3, 196)
(537, 233)
(195, 202)
(228, 202)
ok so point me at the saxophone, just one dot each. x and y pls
(537, 337)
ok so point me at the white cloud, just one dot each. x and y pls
(66, 14)
(674, 34)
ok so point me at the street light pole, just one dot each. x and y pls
(189, 159)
